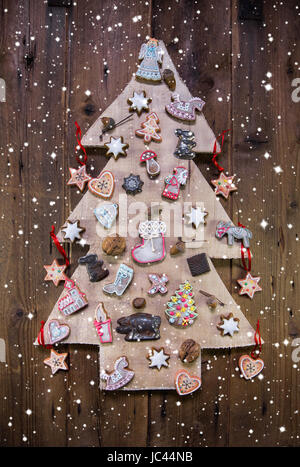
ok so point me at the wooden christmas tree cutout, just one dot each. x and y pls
(197, 191)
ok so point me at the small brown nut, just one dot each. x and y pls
(179, 247)
(212, 302)
(138, 302)
(114, 245)
(189, 351)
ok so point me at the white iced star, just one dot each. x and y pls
(196, 217)
(158, 359)
(72, 231)
(229, 326)
(116, 147)
(139, 101)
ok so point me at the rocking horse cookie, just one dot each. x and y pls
(152, 248)
(119, 377)
(184, 110)
(232, 232)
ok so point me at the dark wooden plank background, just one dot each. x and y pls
(50, 56)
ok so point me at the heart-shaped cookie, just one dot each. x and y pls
(186, 383)
(57, 332)
(103, 185)
(250, 367)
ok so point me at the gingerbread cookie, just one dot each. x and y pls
(185, 383)
(150, 129)
(119, 377)
(116, 147)
(56, 361)
(102, 324)
(152, 167)
(106, 214)
(103, 185)
(57, 331)
(139, 102)
(79, 177)
(158, 283)
(132, 184)
(184, 110)
(249, 285)
(196, 217)
(181, 309)
(123, 278)
(73, 301)
(158, 358)
(228, 325)
(224, 185)
(72, 231)
(250, 367)
(55, 272)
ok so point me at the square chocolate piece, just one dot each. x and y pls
(198, 264)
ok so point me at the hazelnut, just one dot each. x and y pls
(114, 245)
(212, 302)
(138, 302)
(189, 351)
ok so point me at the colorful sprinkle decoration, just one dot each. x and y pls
(181, 309)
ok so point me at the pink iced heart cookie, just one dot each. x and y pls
(250, 367)
(186, 383)
(103, 185)
(57, 331)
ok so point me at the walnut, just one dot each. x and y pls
(189, 351)
(114, 245)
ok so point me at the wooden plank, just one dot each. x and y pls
(202, 46)
(96, 78)
(266, 122)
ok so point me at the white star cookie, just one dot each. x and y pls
(116, 147)
(139, 102)
(72, 231)
(196, 217)
(158, 358)
(228, 325)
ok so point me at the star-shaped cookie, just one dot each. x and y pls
(55, 272)
(228, 325)
(79, 177)
(72, 231)
(224, 185)
(196, 217)
(56, 361)
(158, 358)
(139, 102)
(249, 285)
(116, 147)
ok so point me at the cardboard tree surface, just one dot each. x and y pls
(197, 190)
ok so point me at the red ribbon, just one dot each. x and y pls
(215, 153)
(247, 268)
(78, 137)
(254, 353)
(40, 337)
(58, 246)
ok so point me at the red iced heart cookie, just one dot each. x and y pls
(250, 367)
(103, 185)
(186, 383)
